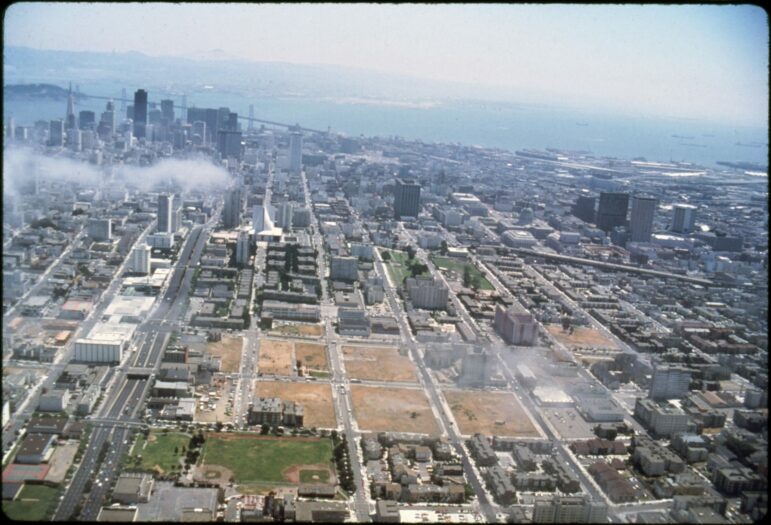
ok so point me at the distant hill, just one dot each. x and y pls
(34, 91)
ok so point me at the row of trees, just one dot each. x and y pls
(343, 462)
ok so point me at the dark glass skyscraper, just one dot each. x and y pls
(140, 113)
(406, 198)
(612, 209)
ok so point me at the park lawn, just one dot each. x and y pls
(255, 458)
(159, 454)
(399, 267)
(35, 503)
(448, 263)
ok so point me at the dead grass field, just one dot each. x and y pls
(379, 364)
(312, 330)
(316, 400)
(582, 336)
(380, 409)
(229, 352)
(491, 413)
(313, 356)
(276, 357)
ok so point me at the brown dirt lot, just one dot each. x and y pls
(476, 411)
(380, 409)
(276, 357)
(312, 355)
(313, 330)
(582, 336)
(316, 399)
(380, 364)
(229, 352)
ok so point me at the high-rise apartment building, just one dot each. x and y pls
(242, 248)
(515, 326)
(165, 209)
(406, 198)
(231, 213)
(683, 218)
(140, 113)
(612, 209)
(641, 218)
(284, 216)
(140, 263)
(669, 382)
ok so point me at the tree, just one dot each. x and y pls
(467, 276)
(386, 255)
(264, 429)
(443, 248)
(476, 282)
(410, 252)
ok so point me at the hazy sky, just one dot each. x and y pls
(707, 62)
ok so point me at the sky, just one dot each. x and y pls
(690, 61)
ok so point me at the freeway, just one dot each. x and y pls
(25, 410)
(612, 266)
(127, 395)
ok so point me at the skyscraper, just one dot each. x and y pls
(406, 198)
(584, 208)
(140, 113)
(56, 133)
(70, 118)
(229, 144)
(167, 110)
(86, 119)
(295, 152)
(107, 121)
(641, 218)
(683, 218)
(612, 209)
(165, 203)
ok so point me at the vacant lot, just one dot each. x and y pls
(160, 453)
(380, 409)
(379, 364)
(316, 400)
(312, 356)
(35, 503)
(582, 336)
(492, 413)
(276, 357)
(229, 352)
(221, 388)
(61, 461)
(262, 460)
(457, 267)
(313, 330)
